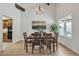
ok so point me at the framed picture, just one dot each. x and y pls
(38, 25)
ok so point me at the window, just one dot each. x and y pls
(65, 28)
(68, 29)
(61, 28)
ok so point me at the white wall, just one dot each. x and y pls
(10, 11)
(1, 44)
(30, 15)
(62, 11)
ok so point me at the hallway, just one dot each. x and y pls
(17, 50)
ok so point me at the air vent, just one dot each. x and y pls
(19, 7)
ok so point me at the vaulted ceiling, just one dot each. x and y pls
(32, 5)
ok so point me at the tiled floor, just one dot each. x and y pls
(18, 50)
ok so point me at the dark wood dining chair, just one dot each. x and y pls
(25, 41)
(47, 42)
(36, 41)
(55, 41)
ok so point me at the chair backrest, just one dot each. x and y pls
(46, 39)
(56, 35)
(44, 32)
(36, 34)
(36, 39)
(33, 35)
(25, 35)
(47, 34)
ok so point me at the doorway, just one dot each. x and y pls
(7, 29)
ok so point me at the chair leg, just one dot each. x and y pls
(53, 47)
(24, 47)
(50, 46)
(43, 48)
(32, 48)
(40, 47)
(56, 46)
(30, 42)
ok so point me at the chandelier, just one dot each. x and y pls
(39, 10)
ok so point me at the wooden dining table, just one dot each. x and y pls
(41, 38)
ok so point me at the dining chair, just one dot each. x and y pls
(55, 41)
(36, 41)
(47, 42)
(25, 41)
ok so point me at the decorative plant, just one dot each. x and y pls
(54, 28)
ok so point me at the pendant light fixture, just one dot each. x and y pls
(39, 10)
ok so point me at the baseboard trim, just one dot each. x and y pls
(69, 48)
(18, 41)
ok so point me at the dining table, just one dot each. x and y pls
(41, 38)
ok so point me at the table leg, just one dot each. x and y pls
(26, 46)
(40, 47)
(43, 48)
(53, 47)
(32, 48)
(50, 46)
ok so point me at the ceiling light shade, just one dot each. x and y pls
(39, 10)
